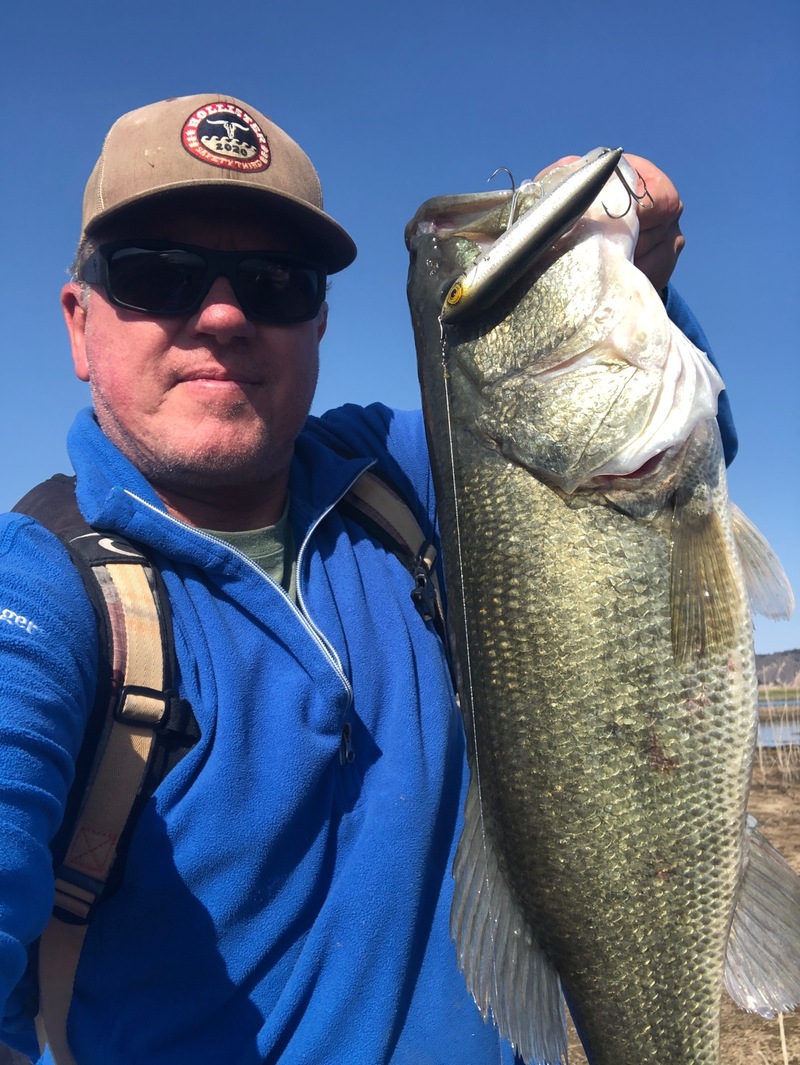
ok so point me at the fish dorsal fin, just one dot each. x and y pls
(767, 584)
(762, 961)
(505, 968)
(704, 595)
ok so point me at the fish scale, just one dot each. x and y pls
(603, 640)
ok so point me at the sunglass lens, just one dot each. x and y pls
(156, 282)
(278, 292)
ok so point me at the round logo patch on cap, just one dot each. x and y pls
(225, 135)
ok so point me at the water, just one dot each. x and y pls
(791, 706)
(783, 733)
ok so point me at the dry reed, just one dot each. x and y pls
(780, 709)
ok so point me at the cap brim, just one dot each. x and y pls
(318, 234)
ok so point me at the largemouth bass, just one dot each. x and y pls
(598, 582)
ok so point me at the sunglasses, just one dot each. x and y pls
(165, 279)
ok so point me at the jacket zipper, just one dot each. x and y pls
(300, 609)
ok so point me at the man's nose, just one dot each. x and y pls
(220, 314)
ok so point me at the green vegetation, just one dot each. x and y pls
(768, 693)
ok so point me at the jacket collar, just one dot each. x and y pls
(112, 494)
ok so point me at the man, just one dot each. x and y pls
(286, 892)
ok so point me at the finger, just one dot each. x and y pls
(559, 162)
(662, 204)
(657, 254)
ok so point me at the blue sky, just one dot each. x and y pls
(397, 103)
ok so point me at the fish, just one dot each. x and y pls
(600, 588)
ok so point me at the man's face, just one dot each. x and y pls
(210, 402)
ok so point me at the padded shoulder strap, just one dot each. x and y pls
(138, 718)
(53, 504)
(378, 507)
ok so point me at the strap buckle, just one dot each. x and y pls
(423, 593)
(165, 712)
(138, 705)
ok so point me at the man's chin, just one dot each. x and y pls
(197, 477)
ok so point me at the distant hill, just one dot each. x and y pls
(781, 668)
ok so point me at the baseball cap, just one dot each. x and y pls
(210, 141)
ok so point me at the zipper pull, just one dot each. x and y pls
(346, 752)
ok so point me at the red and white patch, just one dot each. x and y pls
(225, 135)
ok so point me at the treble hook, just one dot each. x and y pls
(632, 195)
(514, 193)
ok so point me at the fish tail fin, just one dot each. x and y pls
(767, 584)
(762, 960)
(505, 969)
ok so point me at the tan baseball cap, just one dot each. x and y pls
(214, 142)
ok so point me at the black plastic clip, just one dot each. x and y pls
(423, 593)
(175, 719)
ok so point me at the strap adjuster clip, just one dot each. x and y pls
(138, 705)
(424, 593)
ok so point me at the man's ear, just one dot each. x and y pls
(74, 310)
(322, 324)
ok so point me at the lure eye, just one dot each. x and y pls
(455, 293)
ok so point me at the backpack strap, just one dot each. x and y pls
(137, 730)
(383, 512)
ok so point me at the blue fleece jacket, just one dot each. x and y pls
(280, 902)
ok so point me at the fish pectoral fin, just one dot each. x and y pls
(762, 960)
(704, 596)
(505, 969)
(767, 584)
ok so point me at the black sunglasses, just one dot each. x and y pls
(164, 279)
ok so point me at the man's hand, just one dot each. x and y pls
(660, 239)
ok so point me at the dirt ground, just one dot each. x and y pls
(747, 1039)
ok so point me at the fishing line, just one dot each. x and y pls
(467, 650)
